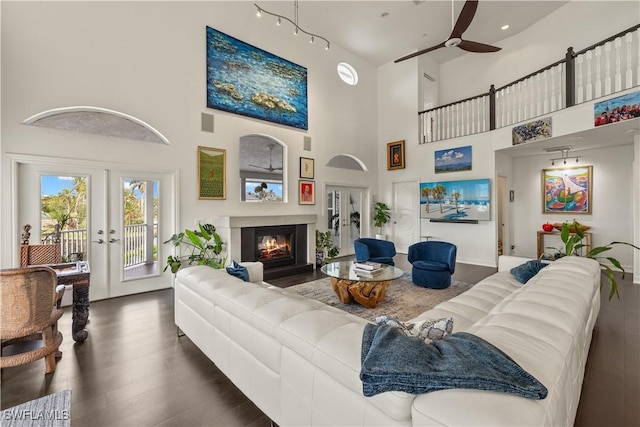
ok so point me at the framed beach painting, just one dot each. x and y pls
(211, 173)
(453, 159)
(395, 155)
(306, 192)
(247, 80)
(567, 190)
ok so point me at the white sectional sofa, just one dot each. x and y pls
(298, 360)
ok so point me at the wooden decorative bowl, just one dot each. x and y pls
(581, 227)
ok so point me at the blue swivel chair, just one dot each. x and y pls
(374, 250)
(433, 263)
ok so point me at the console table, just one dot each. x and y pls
(542, 234)
(76, 274)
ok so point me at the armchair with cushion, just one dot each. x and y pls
(433, 263)
(29, 313)
(374, 250)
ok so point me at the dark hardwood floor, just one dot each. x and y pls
(134, 370)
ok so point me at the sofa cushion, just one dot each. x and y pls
(238, 271)
(524, 272)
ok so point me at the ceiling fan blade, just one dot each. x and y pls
(470, 46)
(412, 55)
(464, 19)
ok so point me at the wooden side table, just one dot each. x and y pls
(542, 234)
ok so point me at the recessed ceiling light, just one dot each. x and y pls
(505, 27)
(348, 74)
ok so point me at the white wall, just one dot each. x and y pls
(147, 59)
(578, 24)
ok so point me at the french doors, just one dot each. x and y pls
(344, 210)
(117, 219)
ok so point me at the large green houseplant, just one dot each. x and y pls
(381, 215)
(204, 247)
(572, 236)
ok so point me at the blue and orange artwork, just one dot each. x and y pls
(246, 80)
(456, 200)
(567, 190)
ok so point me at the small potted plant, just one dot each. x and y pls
(381, 215)
(325, 249)
(204, 246)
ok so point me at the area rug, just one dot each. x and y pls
(53, 410)
(404, 300)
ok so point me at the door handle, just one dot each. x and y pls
(112, 240)
(99, 241)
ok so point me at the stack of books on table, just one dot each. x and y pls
(367, 268)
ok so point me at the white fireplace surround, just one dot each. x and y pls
(229, 228)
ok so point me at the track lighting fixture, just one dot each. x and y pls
(297, 28)
(564, 154)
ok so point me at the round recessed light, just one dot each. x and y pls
(505, 27)
(348, 74)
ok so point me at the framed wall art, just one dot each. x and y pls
(567, 190)
(532, 131)
(617, 109)
(395, 155)
(452, 159)
(306, 168)
(211, 173)
(243, 79)
(306, 192)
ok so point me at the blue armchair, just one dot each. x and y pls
(433, 263)
(374, 250)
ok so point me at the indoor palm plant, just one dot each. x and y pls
(381, 216)
(204, 247)
(572, 235)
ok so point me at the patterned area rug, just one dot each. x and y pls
(53, 410)
(404, 300)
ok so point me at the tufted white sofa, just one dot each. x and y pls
(298, 360)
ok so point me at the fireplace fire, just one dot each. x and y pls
(274, 247)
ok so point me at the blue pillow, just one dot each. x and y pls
(239, 271)
(524, 272)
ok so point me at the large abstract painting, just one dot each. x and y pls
(567, 190)
(468, 200)
(246, 80)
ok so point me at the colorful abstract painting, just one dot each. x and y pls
(456, 200)
(567, 190)
(246, 80)
(617, 109)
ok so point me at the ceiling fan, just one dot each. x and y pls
(270, 168)
(455, 39)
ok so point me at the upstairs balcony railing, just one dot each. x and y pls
(609, 66)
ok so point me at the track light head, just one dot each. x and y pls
(259, 12)
(553, 162)
(311, 40)
(279, 22)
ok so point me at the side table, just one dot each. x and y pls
(542, 234)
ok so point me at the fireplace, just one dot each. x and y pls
(281, 248)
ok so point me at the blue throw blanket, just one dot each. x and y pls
(394, 361)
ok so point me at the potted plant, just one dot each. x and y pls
(204, 247)
(381, 216)
(325, 249)
(572, 235)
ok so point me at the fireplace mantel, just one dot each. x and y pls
(229, 229)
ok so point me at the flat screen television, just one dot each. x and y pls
(456, 201)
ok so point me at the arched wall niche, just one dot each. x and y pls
(263, 161)
(97, 121)
(347, 161)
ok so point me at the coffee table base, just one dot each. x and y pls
(367, 294)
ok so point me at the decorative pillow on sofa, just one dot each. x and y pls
(427, 330)
(239, 271)
(524, 272)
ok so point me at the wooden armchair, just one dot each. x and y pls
(40, 254)
(29, 313)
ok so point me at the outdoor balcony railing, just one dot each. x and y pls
(609, 66)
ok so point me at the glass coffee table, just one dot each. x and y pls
(366, 290)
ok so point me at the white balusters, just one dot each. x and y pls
(598, 82)
(628, 80)
(589, 89)
(579, 90)
(617, 77)
(553, 101)
(607, 68)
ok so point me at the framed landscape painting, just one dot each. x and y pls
(567, 190)
(211, 173)
(453, 159)
(246, 80)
